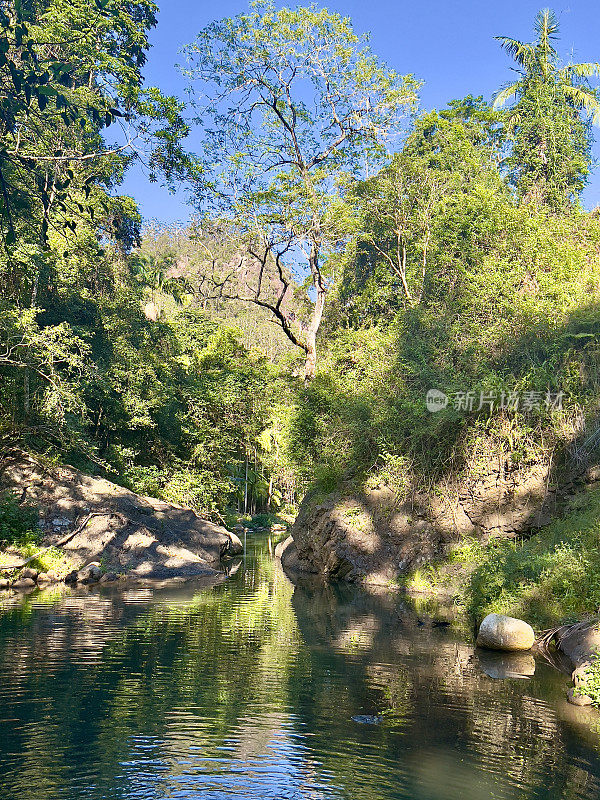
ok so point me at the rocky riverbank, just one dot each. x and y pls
(102, 532)
(372, 536)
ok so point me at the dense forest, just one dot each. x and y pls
(346, 253)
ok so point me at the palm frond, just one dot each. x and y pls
(546, 26)
(512, 124)
(522, 52)
(506, 94)
(584, 99)
(588, 69)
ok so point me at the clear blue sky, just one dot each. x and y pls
(448, 44)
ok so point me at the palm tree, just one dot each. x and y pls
(539, 61)
(154, 273)
(549, 124)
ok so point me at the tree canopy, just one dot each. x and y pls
(297, 105)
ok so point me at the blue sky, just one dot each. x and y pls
(448, 44)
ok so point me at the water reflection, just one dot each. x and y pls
(248, 689)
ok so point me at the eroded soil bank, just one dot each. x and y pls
(371, 536)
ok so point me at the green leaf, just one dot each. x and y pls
(48, 91)
(17, 77)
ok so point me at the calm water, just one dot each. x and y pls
(248, 689)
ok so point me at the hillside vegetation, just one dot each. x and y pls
(287, 337)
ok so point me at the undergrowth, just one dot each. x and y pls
(552, 577)
(17, 521)
(590, 683)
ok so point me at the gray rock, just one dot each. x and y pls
(91, 573)
(577, 699)
(499, 632)
(4, 583)
(29, 573)
(23, 583)
(42, 578)
(593, 474)
(109, 577)
(139, 535)
(235, 546)
(72, 577)
(283, 546)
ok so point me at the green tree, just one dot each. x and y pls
(416, 221)
(70, 72)
(297, 104)
(550, 157)
(60, 92)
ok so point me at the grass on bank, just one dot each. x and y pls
(552, 577)
(19, 533)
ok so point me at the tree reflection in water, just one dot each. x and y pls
(249, 688)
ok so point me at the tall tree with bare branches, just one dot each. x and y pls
(292, 105)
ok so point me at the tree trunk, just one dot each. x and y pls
(310, 363)
(246, 487)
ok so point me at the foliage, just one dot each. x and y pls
(173, 403)
(17, 521)
(444, 182)
(509, 302)
(61, 91)
(550, 578)
(49, 560)
(551, 154)
(296, 102)
(69, 73)
(590, 681)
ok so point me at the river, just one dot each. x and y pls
(248, 689)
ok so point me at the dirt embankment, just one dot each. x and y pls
(125, 533)
(372, 536)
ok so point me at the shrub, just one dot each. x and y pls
(17, 521)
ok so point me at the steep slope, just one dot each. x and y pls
(128, 534)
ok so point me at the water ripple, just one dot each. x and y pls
(248, 689)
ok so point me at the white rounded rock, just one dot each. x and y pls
(498, 632)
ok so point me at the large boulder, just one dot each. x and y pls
(287, 554)
(141, 537)
(91, 573)
(234, 547)
(498, 632)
